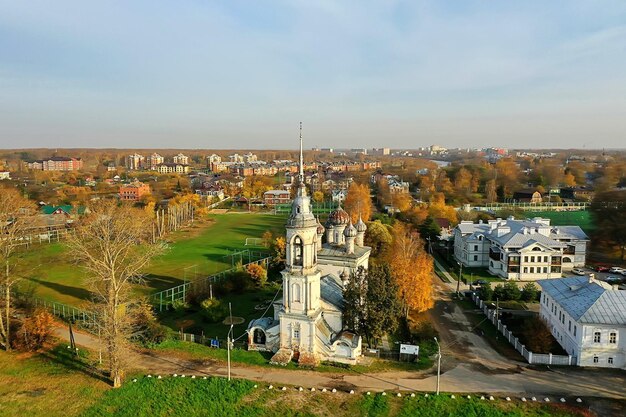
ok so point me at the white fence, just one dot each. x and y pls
(532, 358)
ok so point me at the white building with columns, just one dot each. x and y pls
(307, 324)
(588, 319)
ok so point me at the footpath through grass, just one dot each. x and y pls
(197, 250)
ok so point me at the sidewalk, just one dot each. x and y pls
(453, 282)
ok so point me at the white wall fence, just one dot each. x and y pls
(532, 358)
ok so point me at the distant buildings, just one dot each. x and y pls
(134, 191)
(528, 195)
(155, 160)
(380, 151)
(273, 197)
(181, 159)
(520, 249)
(57, 163)
(588, 319)
(135, 162)
(172, 168)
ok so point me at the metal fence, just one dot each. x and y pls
(179, 292)
(317, 208)
(532, 358)
(83, 318)
(573, 206)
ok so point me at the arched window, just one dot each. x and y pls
(297, 251)
(295, 292)
(537, 248)
(566, 259)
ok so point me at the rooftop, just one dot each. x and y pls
(587, 300)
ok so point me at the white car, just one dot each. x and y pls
(578, 271)
(616, 270)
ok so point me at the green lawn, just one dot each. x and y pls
(55, 384)
(580, 218)
(199, 250)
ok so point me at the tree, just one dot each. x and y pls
(378, 237)
(411, 269)
(318, 196)
(463, 181)
(511, 291)
(529, 292)
(35, 331)
(257, 273)
(430, 229)
(358, 202)
(267, 239)
(537, 335)
(279, 247)
(112, 245)
(485, 292)
(491, 192)
(15, 218)
(608, 210)
(371, 303)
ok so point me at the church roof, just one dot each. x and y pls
(339, 252)
(331, 291)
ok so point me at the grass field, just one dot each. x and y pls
(198, 250)
(54, 384)
(580, 218)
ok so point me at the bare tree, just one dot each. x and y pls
(15, 218)
(113, 244)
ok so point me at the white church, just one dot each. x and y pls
(307, 324)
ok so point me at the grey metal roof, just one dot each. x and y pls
(339, 251)
(587, 301)
(331, 291)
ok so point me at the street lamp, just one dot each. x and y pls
(438, 363)
(458, 281)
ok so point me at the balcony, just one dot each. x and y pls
(555, 261)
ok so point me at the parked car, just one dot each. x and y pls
(480, 282)
(578, 271)
(612, 279)
(602, 268)
(616, 270)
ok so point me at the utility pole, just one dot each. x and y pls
(458, 281)
(228, 338)
(438, 364)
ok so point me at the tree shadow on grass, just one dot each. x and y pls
(76, 292)
(60, 355)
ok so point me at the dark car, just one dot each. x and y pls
(613, 279)
(480, 282)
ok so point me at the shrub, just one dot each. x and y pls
(529, 292)
(35, 331)
(485, 292)
(257, 273)
(537, 335)
(511, 291)
(147, 328)
(213, 310)
(180, 305)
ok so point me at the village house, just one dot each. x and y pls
(134, 191)
(528, 195)
(520, 249)
(588, 319)
(273, 197)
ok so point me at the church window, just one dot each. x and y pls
(297, 247)
(296, 334)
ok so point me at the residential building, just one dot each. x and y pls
(588, 319)
(339, 196)
(135, 162)
(380, 151)
(181, 159)
(250, 157)
(520, 249)
(577, 193)
(57, 163)
(111, 167)
(236, 158)
(273, 197)
(155, 160)
(172, 169)
(528, 195)
(134, 191)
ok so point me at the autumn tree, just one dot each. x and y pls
(378, 237)
(463, 182)
(608, 210)
(491, 191)
(35, 331)
(112, 244)
(318, 197)
(537, 335)
(16, 214)
(358, 202)
(257, 273)
(411, 268)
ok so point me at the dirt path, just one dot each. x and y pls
(460, 377)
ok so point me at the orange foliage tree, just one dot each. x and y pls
(35, 331)
(257, 273)
(412, 268)
(358, 202)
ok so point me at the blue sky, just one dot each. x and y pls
(242, 74)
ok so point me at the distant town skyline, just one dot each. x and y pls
(241, 75)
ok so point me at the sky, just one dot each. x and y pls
(242, 74)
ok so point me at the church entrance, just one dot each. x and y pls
(259, 337)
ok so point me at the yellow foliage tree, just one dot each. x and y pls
(358, 202)
(412, 269)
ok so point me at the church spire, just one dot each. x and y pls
(301, 188)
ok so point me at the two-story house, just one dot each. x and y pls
(588, 319)
(520, 249)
